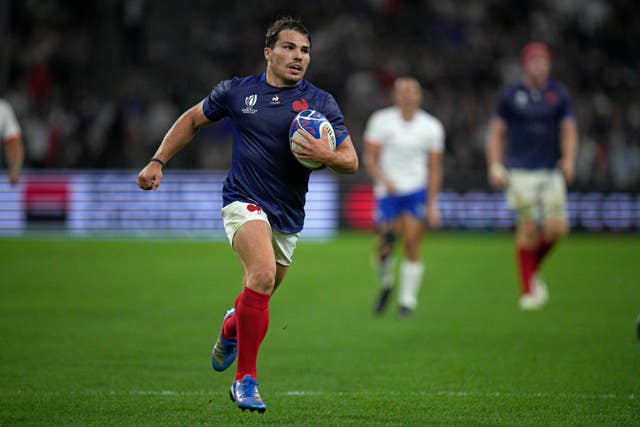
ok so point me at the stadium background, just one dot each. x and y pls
(118, 331)
(95, 87)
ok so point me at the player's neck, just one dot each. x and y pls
(407, 113)
(275, 81)
(532, 83)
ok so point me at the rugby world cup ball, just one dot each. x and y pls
(314, 123)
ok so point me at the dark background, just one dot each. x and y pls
(97, 84)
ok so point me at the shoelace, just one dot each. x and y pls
(249, 387)
(224, 346)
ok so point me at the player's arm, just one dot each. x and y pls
(343, 159)
(372, 163)
(179, 135)
(568, 147)
(435, 183)
(495, 152)
(14, 151)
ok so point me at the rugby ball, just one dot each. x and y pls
(314, 123)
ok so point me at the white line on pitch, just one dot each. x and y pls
(303, 393)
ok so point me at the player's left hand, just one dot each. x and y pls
(314, 149)
(433, 217)
(14, 176)
(568, 169)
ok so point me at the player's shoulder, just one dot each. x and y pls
(425, 116)
(510, 89)
(428, 120)
(386, 113)
(311, 90)
(557, 87)
(236, 82)
(4, 104)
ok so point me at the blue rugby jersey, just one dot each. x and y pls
(533, 118)
(263, 168)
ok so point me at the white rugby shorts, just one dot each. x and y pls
(537, 193)
(235, 214)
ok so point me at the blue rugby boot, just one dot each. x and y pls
(225, 351)
(245, 393)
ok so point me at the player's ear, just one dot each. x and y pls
(267, 54)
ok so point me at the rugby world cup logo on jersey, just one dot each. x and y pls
(250, 101)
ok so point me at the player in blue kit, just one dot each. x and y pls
(264, 192)
(534, 116)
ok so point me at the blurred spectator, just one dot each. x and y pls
(99, 78)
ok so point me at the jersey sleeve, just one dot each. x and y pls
(214, 105)
(373, 131)
(9, 127)
(332, 112)
(503, 109)
(437, 142)
(565, 110)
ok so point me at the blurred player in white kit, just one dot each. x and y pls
(11, 137)
(404, 146)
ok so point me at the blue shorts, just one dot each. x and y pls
(391, 207)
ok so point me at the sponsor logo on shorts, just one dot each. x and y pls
(254, 208)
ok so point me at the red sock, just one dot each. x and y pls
(527, 265)
(229, 330)
(252, 322)
(543, 247)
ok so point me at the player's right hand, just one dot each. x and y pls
(498, 176)
(389, 186)
(149, 178)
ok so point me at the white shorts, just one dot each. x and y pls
(537, 193)
(237, 213)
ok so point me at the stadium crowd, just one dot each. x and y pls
(97, 85)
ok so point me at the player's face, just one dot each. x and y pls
(537, 68)
(407, 94)
(288, 60)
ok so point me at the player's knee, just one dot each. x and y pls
(556, 230)
(527, 235)
(262, 280)
(387, 241)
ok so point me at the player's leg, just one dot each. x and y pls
(229, 323)
(243, 330)
(554, 206)
(284, 246)
(522, 196)
(411, 268)
(384, 264)
(383, 258)
(526, 240)
(553, 197)
(265, 255)
(252, 243)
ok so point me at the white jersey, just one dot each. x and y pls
(9, 127)
(405, 147)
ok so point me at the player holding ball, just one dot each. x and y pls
(264, 192)
(535, 118)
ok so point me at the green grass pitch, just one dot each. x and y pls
(110, 332)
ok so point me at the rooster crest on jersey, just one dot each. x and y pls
(314, 123)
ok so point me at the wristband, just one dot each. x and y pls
(153, 159)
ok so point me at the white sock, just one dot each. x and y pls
(385, 272)
(410, 281)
